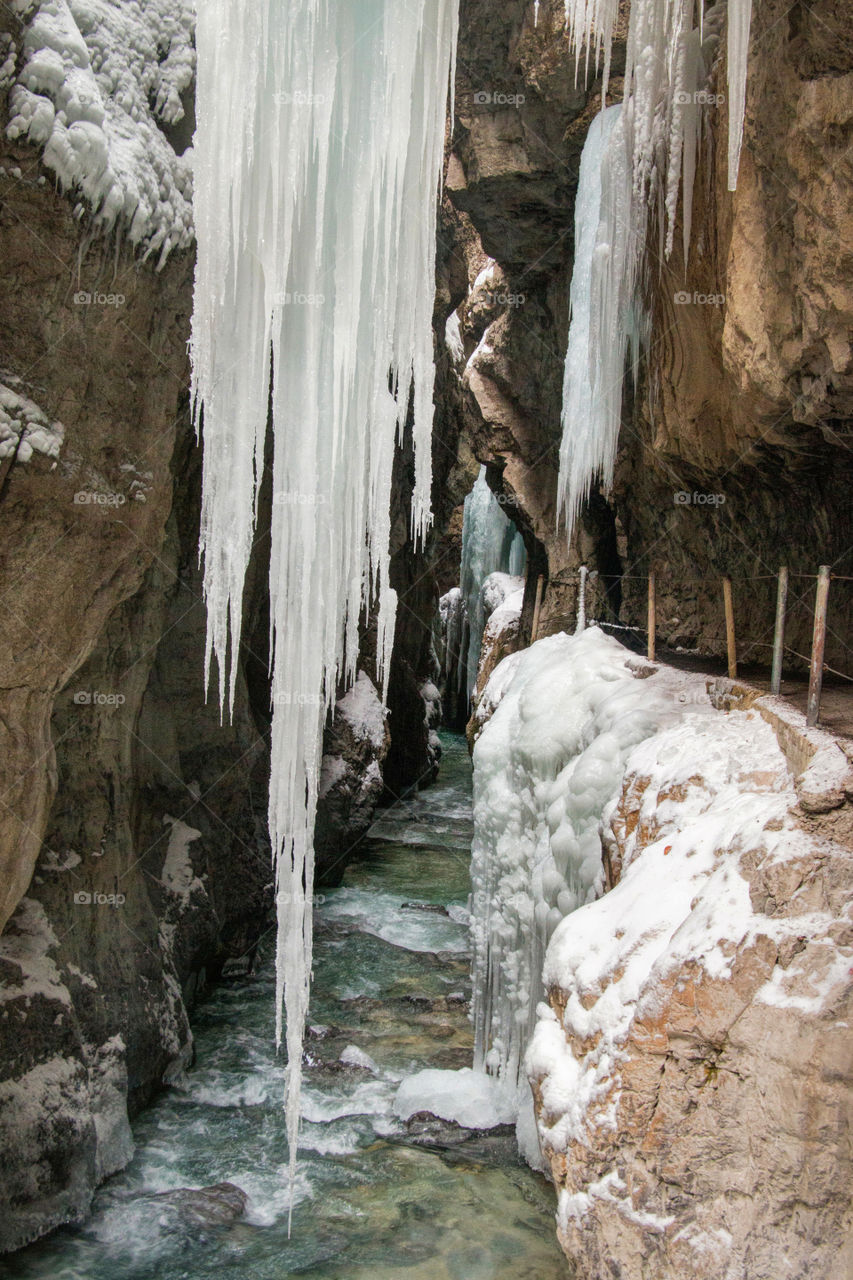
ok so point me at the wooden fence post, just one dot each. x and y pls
(730, 628)
(540, 583)
(779, 633)
(652, 618)
(818, 644)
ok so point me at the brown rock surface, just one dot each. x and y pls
(717, 1144)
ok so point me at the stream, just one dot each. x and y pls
(374, 1197)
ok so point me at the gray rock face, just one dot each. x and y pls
(351, 784)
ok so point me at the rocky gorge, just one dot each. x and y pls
(134, 849)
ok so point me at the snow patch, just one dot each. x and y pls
(466, 1097)
(25, 429)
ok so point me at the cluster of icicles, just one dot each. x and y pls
(636, 158)
(319, 149)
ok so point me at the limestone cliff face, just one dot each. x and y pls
(749, 400)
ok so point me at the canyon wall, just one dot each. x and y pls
(743, 400)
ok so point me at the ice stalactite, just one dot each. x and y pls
(740, 18)
(633, 162)
(490, 544)
(318, 160)
(590, 418)
(581, 619)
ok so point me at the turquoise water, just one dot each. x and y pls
(374, 1198)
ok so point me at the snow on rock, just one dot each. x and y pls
(363, 711)
(26, 945)
(25, 429)
(332, 771)
(98, 83)
(497, 590)
(178, 875)
(466, 1097)
(453, 338)
(683, 900)
(352, 1056)
(676, 1032)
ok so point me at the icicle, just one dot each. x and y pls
(581, 622)
(595, 324)
(740, 18)
(317, 163)
(490, 544)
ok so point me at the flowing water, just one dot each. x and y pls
(375, 1197)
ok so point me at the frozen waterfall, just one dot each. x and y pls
(546, 764)
(636, 158)
(318, 160)
(490, 544)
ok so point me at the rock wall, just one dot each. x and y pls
(705, 1041)
(749, 400)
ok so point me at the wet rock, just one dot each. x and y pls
(213, 1206)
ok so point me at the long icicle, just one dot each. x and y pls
(318, 159)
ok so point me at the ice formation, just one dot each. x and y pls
(453, 338)
(99, 81)
(490, 544)
(318, 157)
(602, 301)
(545, 766)
(636, 158)
(451, 611)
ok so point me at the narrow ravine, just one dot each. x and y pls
(375, 1197)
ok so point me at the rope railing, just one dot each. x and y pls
(817, 665)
